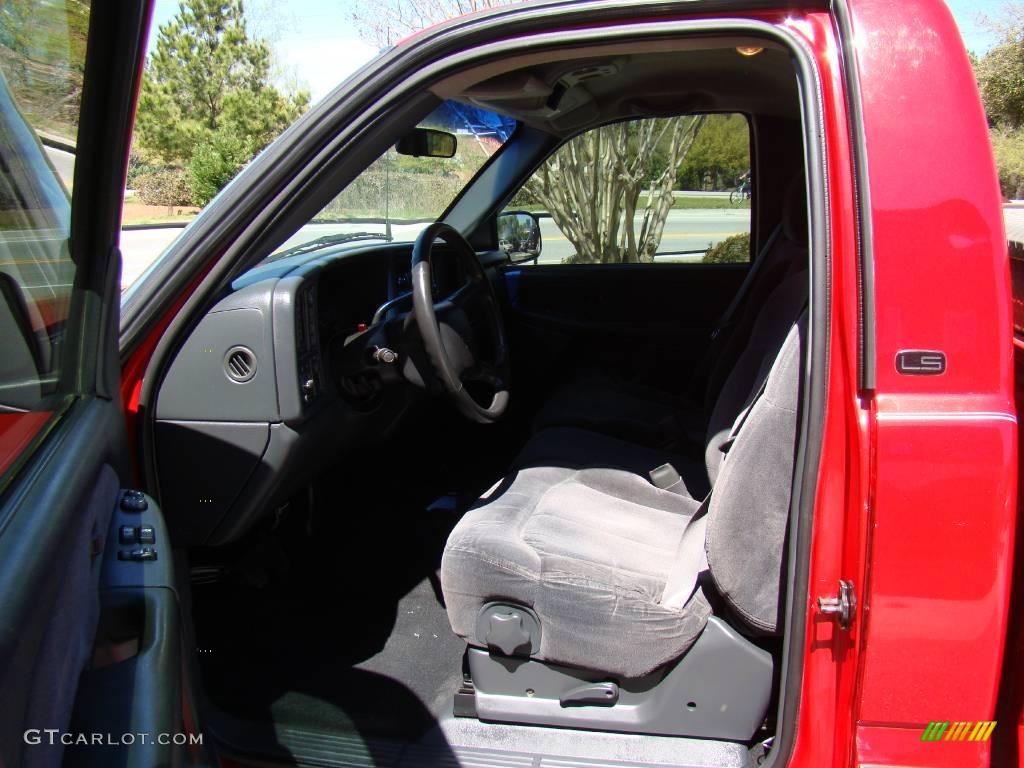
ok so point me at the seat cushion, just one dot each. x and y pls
(591, 551)
(574, 448)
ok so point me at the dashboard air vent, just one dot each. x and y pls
(240, 364)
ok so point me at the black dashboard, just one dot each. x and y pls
(257, 400)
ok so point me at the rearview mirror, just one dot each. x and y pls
(519, 236)
(427, 142)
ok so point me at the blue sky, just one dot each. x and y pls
(316, 44)
(967, 13)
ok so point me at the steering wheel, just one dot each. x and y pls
(450, 329)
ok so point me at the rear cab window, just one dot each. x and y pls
(648, 191)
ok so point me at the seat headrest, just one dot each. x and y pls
(794, 211)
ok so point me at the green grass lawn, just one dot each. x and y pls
(693, 203)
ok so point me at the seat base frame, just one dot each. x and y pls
(719, 689)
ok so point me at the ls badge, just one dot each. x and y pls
(920, 362)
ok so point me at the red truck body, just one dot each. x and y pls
(918, 492)
(917, 497)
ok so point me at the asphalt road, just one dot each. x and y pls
(685, 230)
(63, 163)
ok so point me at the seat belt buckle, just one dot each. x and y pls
(667, 478)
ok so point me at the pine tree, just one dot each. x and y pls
(207, 90)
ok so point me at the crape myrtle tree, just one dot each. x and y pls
(592, 185)
(207, 102)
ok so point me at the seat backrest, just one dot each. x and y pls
(748, 513)
(785, 253)
(777, 315)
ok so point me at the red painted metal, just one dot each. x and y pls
(945, 447)
(17, 430)
(1008, 738)
(133, 370)
(917, 490)
(824, 731)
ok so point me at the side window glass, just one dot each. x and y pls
(42, 65)
(649, 191)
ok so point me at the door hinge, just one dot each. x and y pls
(841, 608)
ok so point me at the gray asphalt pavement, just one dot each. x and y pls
(685, 230)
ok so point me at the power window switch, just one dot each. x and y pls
(146, 534)
(138, 555)
(134, 501)
(128, 534)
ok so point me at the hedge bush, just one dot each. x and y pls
(731, 250)
(214, 164)
(165, 186)
(1008, 148)
(138, 166)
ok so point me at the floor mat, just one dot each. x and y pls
(352, 638)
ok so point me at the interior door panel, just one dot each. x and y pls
(648, 322)
(90, 641)
(137, 647)
(90, 632)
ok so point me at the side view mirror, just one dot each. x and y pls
(519, 236)
(427, 142)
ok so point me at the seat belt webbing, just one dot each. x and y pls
(748, 280)
(726, 319)
(690, 562)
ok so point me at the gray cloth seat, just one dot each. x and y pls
(615, 569)
(574, 448)
(596, 586)
(628, 410)
(577, 448)
(651, 416)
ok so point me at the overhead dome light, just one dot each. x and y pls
(748, 50)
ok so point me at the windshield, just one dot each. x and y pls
(397, 196)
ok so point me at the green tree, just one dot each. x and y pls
(42, 56)
(1000, 74)
(1000, 71)
(721, 152)
(1008, 148)
(214, 164)
(207, 92)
